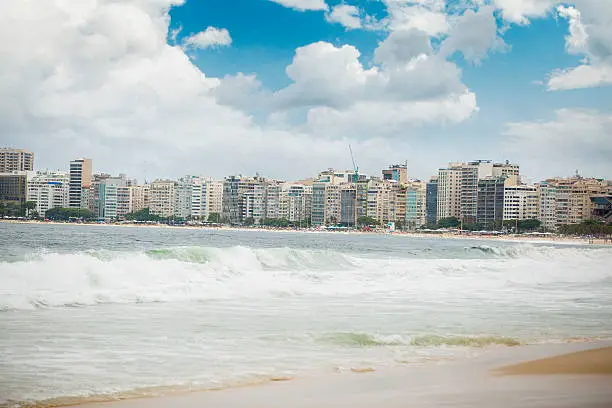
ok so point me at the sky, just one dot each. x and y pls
(166, 88)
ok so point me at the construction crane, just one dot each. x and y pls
(355, 168)
(355, 178)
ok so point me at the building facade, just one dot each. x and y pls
(80, 180)
(48, 190)
(138, 198)
(161, 198)
(490, 211)
(431, 201)
(14, 186)
(416, 214)
(521, 202)
(12, 160)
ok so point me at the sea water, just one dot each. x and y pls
(111, 312)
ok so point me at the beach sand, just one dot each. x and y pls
(575, 375)
(590, 362)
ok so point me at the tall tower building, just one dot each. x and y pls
(80, 180)
(15, 160)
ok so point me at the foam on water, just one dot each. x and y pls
(111, 323)
(205, 273)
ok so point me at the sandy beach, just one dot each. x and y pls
(575, 375)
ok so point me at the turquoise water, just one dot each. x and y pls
(88, 311)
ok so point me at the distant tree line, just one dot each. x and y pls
(18, 209)
(69, 214)
(520, 225)
(589, 227)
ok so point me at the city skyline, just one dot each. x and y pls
(477, 194)
(175, 87)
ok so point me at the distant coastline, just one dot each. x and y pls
(552, 239)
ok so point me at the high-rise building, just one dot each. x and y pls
(333, 204)
(548, 206)
(162, 198)
(295, 202)
(48, 189)
(113, 198)
(80, 180)
(348, 205)
(318, 204)
(12, 160)
(490, 208)
(214, 197)
(182, 197)
(431, 201)
(273, 196)
(416, 194)
(244, 198)
(396, 172)
(138, 198)
(14, 186)
(458, 186)
(568, 200)
(521, 202)
(449, 193)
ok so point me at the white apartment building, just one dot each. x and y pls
(182, 197)
(138, 198)
(48, 189)
(521, 202)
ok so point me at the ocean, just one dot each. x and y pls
(109, 312)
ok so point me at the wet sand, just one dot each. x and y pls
(590, 362)
(543, 376)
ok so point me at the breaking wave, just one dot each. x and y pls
(376, 340)
(207, 273)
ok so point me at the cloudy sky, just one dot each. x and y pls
(164, 88)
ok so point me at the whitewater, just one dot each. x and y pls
(123, 312)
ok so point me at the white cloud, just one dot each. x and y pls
(574, 139)
(576, 40)
(303, 5)
(520, 11)
(424, 15)
(346, 15)
(211, 37)
(583, 76)
(411, 87)
(474, 35)
(590, 34)
(98, 79)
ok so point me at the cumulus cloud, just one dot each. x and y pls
(209, 38)
(520, 11)
(424, 15)
(98, 79)
(346, 15)
(590, 34)
(574, 139)
(409, 87)
(303, 5)
(474, 35)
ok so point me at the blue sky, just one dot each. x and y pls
(163, 88)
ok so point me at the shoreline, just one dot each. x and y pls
(571, 376)
(445, 235)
